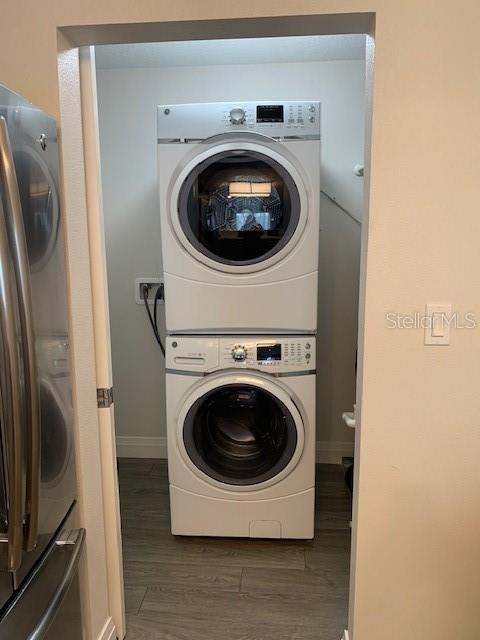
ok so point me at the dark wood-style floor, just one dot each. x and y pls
(228, 588)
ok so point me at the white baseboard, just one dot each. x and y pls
(332, 452)
(141, 447)
(108, 631)
(156, 447)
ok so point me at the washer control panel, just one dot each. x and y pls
(272, 354)
(281, 119)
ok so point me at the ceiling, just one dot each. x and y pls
(238, 51)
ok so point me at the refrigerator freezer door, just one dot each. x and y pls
(47, 607)
(34, 148)
(6, 588)
(67, 622)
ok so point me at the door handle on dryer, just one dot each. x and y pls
(11, 403)
(18, 248)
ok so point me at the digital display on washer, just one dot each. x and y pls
(268, 352)
(270, 113)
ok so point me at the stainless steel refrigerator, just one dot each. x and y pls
(40, 546)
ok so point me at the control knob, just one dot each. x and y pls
(239, 353)
(238, 116)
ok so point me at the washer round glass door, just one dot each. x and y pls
(56, 441)
(242, 432)
(240, 207)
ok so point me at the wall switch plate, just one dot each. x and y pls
(437, 324)
(151, 280)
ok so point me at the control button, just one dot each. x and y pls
(311, 107)
(307, 346)
(238, 116)
(308, 356)
(239, 353)
(311, 119)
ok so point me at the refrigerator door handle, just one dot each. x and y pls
(11, 410)
(74, 541)
(18, 247)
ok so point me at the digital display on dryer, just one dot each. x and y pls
(268, 352)
(270, 113)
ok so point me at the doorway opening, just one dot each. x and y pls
(299, 586)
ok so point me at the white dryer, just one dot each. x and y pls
(239, 208)
(241, 435)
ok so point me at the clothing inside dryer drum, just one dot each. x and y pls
(240, 434)
(239, 208)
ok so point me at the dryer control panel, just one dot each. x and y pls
(272, 354)
(281, 119)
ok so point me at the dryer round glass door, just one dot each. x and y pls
(40, 207)
(241, 434)
(239, 207)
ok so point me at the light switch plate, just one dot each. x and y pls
(437, 324)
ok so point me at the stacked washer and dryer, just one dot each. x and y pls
(239, 204)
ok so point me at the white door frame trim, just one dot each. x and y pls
(90, 483)
(101, 323)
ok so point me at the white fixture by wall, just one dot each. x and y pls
(349, 419)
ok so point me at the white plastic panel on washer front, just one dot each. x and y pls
(271, 354)
(281, 119)
(290, 516)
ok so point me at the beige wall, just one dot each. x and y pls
(418, 518)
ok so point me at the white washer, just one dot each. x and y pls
(57, 481)
(239, 208)
(241, 435)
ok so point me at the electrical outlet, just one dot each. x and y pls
(153, 282)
